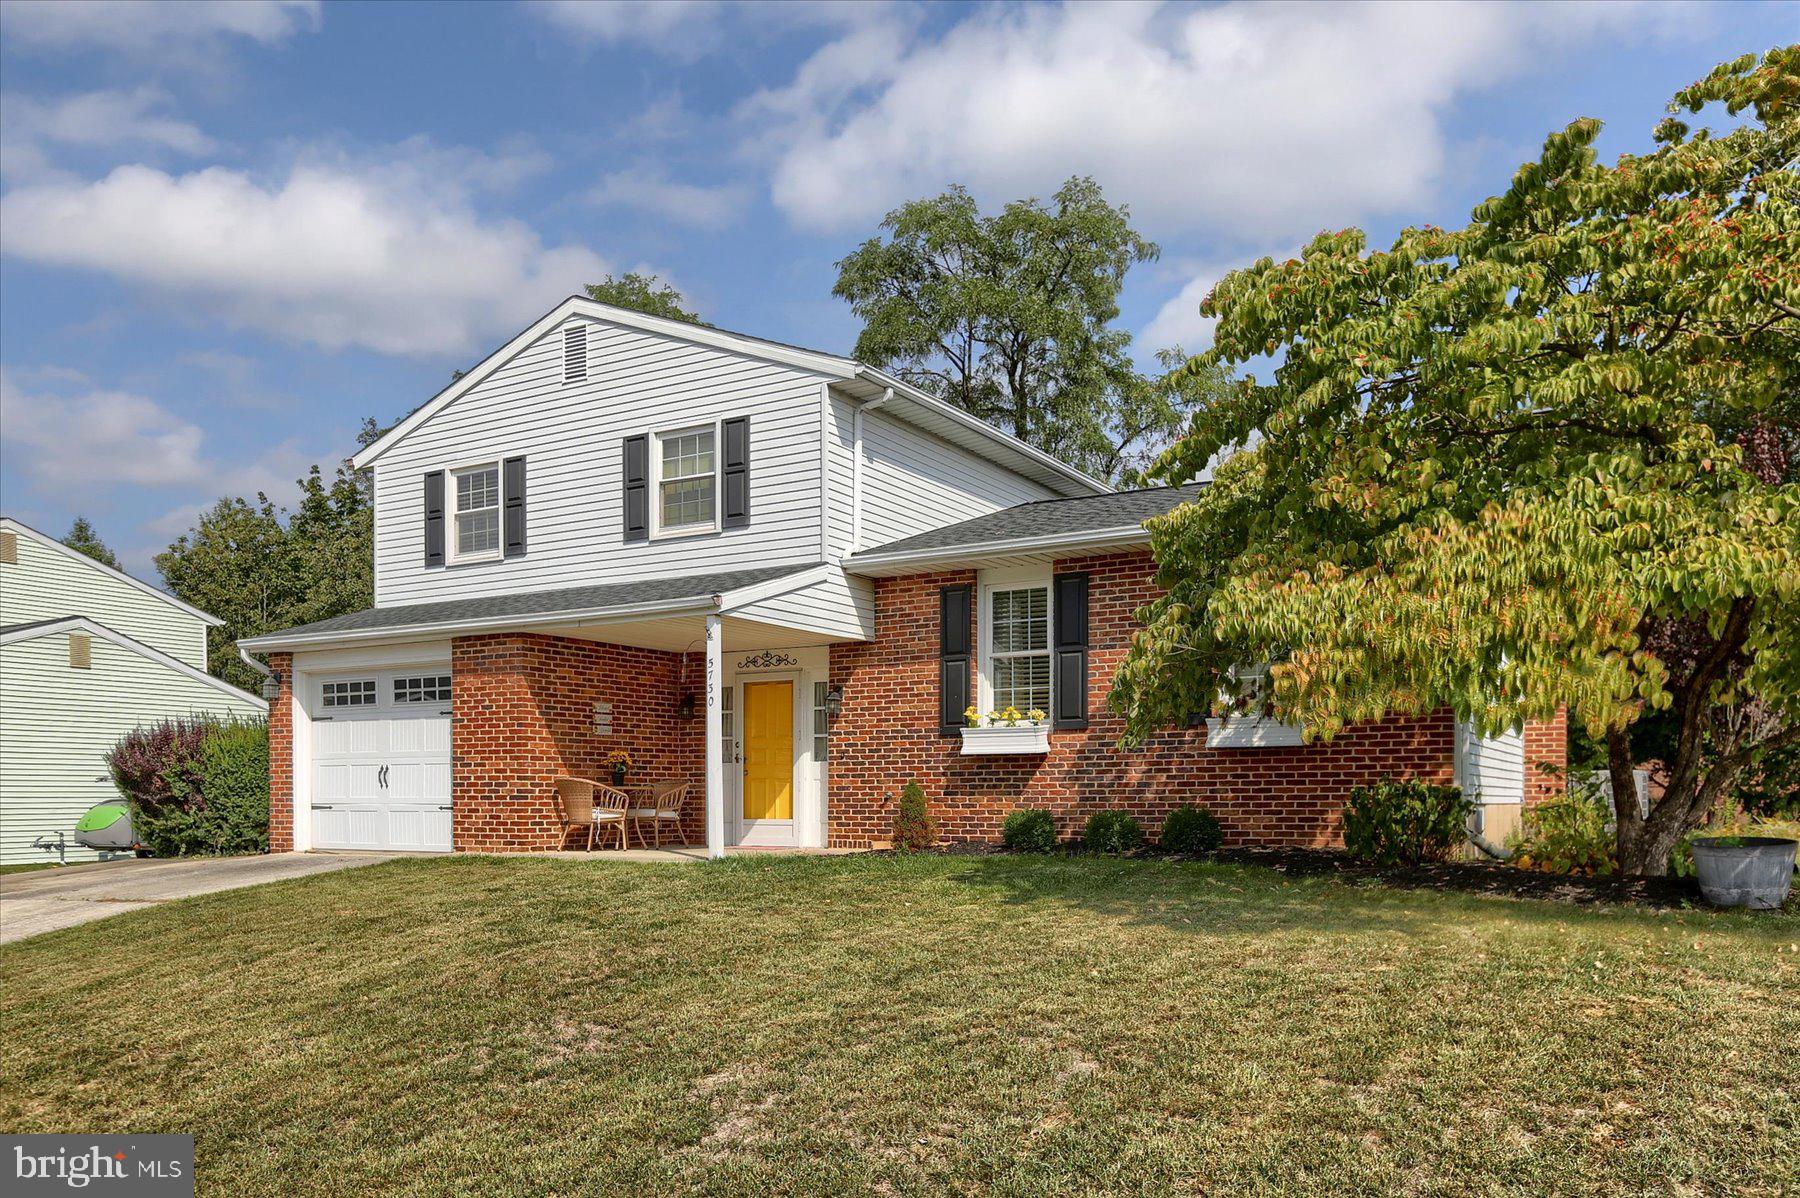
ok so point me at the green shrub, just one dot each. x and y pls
(914, 828)
(1191, 829)
(1029, 830)
(1404, 823)
(197, 787)
(1112, 832)
(1570, 835)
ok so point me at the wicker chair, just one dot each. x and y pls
(592, 805)
(667, 802)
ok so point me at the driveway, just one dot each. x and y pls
(46, 899)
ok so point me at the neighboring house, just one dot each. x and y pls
(87, 653)
(778, 573)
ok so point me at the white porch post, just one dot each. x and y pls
(715, 748)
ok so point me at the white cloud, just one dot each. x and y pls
(97, 437)
(691, 29)
(90, 120)
(1245, 119)
(338, 255)
(652, 191)
(1178, 321)
(142, 28)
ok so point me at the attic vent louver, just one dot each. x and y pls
(9, 548)
(81, 651)
(575, 353)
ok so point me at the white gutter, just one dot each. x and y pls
(259, 667)
(1128, 534)
(856, 465)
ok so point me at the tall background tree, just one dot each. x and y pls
(1009, 317)
(643, 293)
(1543, 459)
(82, 538)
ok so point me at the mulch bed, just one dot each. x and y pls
(1460, 877)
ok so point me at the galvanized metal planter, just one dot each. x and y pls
(1745, 871)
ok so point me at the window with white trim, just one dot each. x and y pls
(429, 688)
(687, 480)
(727, 721)
(1016, 637)
(358, 693)
(477, 513)
(821, 722)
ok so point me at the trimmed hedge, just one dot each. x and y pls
(1112, 832)
(197, 787)
(1191, 830)
(1029, 830)
(1404, 823)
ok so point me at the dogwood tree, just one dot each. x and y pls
(1546, 459)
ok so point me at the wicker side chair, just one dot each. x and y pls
(667, 803)
(583, 803)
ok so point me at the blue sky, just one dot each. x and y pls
(230, 232)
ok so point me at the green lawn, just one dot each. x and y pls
(937, 1025)
(28, 867)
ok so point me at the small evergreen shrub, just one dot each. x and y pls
(1570, 835)
(1404, 823)
(914, 829)
(1112, 832)
(197, 787)
(1029, 830)
(1191, 829)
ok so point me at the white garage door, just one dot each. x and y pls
(381, 761)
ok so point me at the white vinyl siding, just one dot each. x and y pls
(57, 725)
(46, 584)
(913, 481)
(637, 383)
(1490, 769)
(839, 606)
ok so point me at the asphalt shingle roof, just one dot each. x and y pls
(1047, 518)
(542, 603)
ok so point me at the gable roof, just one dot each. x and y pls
(93, 627)
(977, 435)
(645, 597)
(9, 524)
(1094, 521)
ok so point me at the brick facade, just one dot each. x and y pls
(523, 713)
(887, 734)
(281, 756)
(1546, 759)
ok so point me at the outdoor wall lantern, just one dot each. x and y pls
(834, 702)
(271, 686)
(684, 707)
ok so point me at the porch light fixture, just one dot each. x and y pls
(271, 686)
(684, 708)
(834, 701)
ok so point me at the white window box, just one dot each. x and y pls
(1251, 732)
(1025, 738)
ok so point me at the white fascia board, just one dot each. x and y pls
(623, 613)
(900, 562)
(8, 524)
(95, 628)
(826, 364)
(925, 399)
(748, 596)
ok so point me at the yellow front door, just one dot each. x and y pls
(768, 750)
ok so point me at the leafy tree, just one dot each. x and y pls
(643, 293)
(1542, 459)
(260, 569)
(82, 538)
(1007, 317)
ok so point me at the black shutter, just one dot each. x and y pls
(434, 518)
(735, 510)
(512, 511)
(953, 658)
(637, 488)
(1071, 682)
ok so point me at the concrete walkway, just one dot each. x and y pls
(46, 899)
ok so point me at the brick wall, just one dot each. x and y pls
(281, 757)
(523, 713)
(887, 734)
(1546, 758)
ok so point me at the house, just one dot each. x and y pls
(87, 653)
(778, 573)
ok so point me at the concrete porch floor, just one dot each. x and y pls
(668, 854)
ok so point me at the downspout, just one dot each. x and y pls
(856, 466)
(258, 666)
